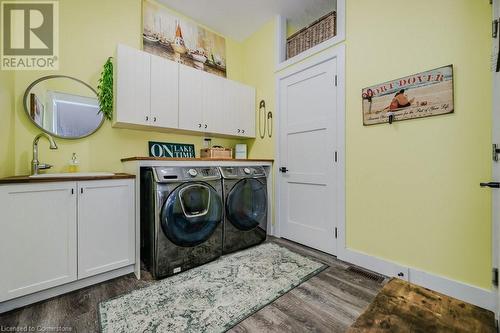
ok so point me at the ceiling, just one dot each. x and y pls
(238, 19)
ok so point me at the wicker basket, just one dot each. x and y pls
(316, 33)
(217, 153)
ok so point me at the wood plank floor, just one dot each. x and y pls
(328, 302)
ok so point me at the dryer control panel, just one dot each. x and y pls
(243, 172)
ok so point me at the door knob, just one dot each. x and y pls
(283, 169)
(490, 184)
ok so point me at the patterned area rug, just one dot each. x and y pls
(210, 298)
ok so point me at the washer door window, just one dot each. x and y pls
(191, 214)
(246, 205)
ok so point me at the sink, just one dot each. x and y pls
(74, 175)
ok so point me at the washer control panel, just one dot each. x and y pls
(179, 174)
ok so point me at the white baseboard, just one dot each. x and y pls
(483, 298)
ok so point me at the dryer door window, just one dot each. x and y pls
(191, 214)
(246, 205)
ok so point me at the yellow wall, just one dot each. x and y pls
(412, 188)
(6, 123)
(258, 55)
(89, 33)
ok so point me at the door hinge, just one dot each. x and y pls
(336, 157)
(335, 80)
(336, 233)
(494, 278)
(494, 28)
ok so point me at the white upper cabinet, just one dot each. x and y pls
(155, 92)
(133, 81)
(164, 93)
(190, 99)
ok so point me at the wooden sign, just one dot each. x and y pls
(171, 150)
(421, 95)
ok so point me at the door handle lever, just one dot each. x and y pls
(490, 184)
(283, 169)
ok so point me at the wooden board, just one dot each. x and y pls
(405, 307)
(27, 179)
(129, 159)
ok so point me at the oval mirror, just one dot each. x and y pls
(63, 106)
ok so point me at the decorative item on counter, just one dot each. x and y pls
(171, 150)
(73, 164)
(421, 95)
(105, 90)
(217, 152)
(207, 143)
(265, 121)
(240, 151)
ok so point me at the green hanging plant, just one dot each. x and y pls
(105, 90)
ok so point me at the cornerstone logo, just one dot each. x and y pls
(30, 35)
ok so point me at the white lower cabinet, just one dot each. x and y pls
(105, 226)
(56, 233)
(37, 237)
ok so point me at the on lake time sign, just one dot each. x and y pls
(171, 150)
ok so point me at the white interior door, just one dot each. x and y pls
(496, 165)
(308, 122)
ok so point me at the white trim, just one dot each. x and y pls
(478, 296)
(281, 35)
(66, 288)
(339, 53)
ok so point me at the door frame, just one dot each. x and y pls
(495, 118)
(337, 52)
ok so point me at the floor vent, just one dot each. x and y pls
(366, 274)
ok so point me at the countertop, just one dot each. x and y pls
(129, 159)
(28, 180)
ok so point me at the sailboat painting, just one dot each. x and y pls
(167, 35)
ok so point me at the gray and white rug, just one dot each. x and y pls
(210, 298)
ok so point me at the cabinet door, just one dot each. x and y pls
(190, 99)
(247, 115)
(214, 120)
(132, 86)
(106, 228)
(164, 93)
(38, 237)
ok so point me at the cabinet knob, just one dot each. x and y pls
(239, 130)
(154, 119)
(206, 125)
(199, 125)
(243, 131)
(147, 118)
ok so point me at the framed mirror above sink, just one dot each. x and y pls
(63, 106)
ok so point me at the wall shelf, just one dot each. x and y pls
(281, 39)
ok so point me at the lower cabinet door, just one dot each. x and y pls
(106, 228)
(37, 237)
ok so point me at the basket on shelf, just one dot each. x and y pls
(312, 35)
(217, 153)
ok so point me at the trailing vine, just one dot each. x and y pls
(105, 90)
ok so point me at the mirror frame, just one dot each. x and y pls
(48, 77)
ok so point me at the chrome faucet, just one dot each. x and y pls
(35, 164)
